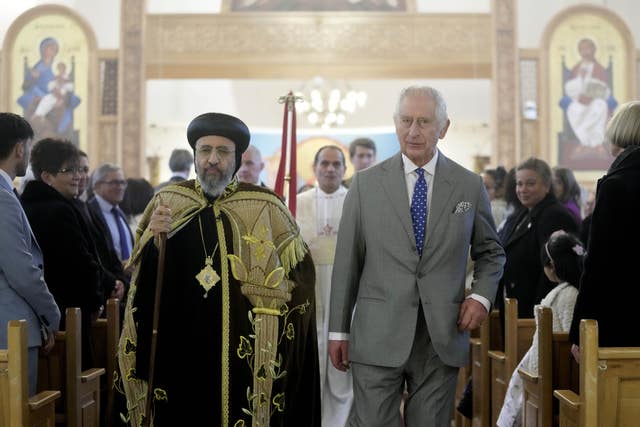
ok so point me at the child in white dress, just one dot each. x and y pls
(562, 258)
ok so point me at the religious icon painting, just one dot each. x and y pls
(589, 70)
(47, 56)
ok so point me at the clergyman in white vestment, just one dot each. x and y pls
(318, 214)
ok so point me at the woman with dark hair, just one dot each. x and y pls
(542, 214)
(567, 190)
(561, 258)
(71, 269)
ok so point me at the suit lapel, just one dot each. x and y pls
(395, 186)
(519, 231)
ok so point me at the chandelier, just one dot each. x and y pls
(327, 103)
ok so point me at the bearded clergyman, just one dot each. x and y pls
(236, 337)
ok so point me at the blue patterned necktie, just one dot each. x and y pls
(419, 209)
(124, 247)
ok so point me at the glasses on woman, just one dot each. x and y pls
(73, 170)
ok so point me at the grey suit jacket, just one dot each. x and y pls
(23, 291)
(378, 267)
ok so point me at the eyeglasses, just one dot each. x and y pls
(222, 152)
(115, 182)
(407, 122)
(74, 170)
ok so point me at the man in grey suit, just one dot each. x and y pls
(398, 307)
(23, 292)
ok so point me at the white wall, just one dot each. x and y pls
(453, 6)
(255, 101)
(533, 19)
(103, 16)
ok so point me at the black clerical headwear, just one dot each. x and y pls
(222, 125)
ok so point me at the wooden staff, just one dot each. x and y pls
(162, 246)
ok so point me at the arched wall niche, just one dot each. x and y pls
(561, 139)
(74, 116)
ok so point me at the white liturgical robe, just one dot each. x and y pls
(318, 215)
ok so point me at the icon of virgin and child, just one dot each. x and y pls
(48, 98)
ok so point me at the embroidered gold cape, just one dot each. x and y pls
(245, 352)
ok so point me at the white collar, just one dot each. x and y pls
(104, 205)
(339, 191)
(430, 167)
(180, 174)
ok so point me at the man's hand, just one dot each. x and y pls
(51, 340)
(575, 350)
(160, 221)
(118, 290)
(339, 354)
(472, 314)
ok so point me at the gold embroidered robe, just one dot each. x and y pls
(244, 355)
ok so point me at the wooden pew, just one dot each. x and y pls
(106, 333)
(609, 384)
(489, 338)
(556, 369)
(62, 369)
(17, 409)
(518, 336)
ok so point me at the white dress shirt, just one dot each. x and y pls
(105, 208)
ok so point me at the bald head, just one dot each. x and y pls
(251, 166)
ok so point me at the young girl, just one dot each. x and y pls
(561, 258)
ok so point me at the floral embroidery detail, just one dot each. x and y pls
(300, 309)
(159, 394)
(239, 423)
(129, 346)
(244, 348)
(284, 309)
(131, 375)
(260, 240)
(278, 401)
(262, 373)
(290, 331)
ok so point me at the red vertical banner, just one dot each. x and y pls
(287, 177)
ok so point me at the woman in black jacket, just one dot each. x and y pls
(609, 289)
(541, 215)
(71, 269)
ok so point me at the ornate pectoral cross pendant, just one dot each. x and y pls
(208, 277)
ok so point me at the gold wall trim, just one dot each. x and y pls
(304, 44)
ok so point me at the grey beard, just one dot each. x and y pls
(214, 187)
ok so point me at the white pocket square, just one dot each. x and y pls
(462, 207)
